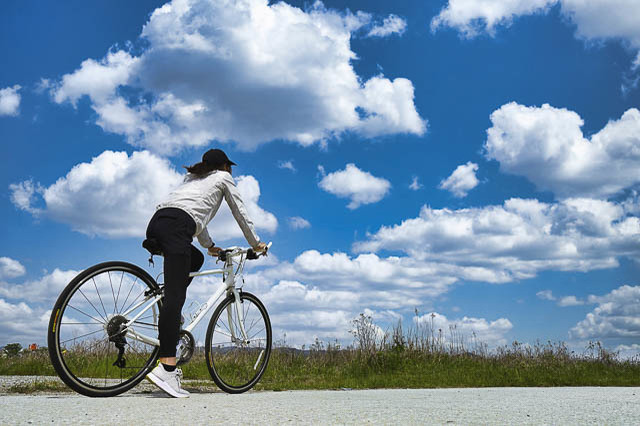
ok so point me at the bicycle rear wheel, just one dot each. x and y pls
(236, 364)
(88, 344)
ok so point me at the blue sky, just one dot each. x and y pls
(474, 160)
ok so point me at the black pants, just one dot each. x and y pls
(173, 229)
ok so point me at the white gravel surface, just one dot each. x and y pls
(398, 406)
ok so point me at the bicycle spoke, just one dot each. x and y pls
(252, 325)
(96, 309)
(129, 294)
(84, 313)
(136, 353)
(113, 293)
(222, 343)
(134, 301)
(147, 327)
(261, 330)
(81, 336)
(145, 317)
(94, 345)
(99, 297)
(148, 324)
(225, 326)
(118, 296)
(222, 332)
(234, 318)
(257, 318)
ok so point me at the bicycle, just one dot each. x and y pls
(103, 343)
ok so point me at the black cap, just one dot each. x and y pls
(216, 157)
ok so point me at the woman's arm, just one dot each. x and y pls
(204, 239)
(239, 211)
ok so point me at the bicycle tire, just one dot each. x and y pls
(77, 363)
(231, 366)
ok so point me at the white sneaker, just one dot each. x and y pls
(168, 381)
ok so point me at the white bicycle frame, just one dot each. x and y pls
(228, 285)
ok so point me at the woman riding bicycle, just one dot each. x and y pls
(184, 215)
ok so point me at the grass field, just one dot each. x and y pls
(332, 368)
(418, 358)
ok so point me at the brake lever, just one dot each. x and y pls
(252, 254)
(223, 255)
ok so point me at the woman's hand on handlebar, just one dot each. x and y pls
(260, 248)
(214, 251)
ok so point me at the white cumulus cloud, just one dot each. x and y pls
(23, 195)
(515, 240)
(43, 290)
(325, 314)
(359, 186)
(604, 19)
(616, 316)
(10, 268)
(472, 17)
(462, 180)
(24, 305)
(493, 333)
(415, 184)
(562, 301)
(628, 351)
(20, 323)
(545, 145)
(10, 100)
(593, 19)
(96, 79)
(287, 165)
(546, 295)
(244, 71)
(298, 222)
(390, 283)
(115, 195)
(331, 289)
(393, 24)
(570, 301)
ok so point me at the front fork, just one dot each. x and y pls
(240, 317)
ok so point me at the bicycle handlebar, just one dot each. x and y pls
(236, 251)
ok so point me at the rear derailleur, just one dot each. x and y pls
(116, 331)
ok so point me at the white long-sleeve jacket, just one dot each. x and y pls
(201, 197)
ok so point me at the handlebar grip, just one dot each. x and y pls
(251, 254)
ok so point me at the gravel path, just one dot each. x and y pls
(407, 406)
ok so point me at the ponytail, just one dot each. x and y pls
(200, 169)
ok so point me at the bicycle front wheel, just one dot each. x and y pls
(89, 344)
(237, 360)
